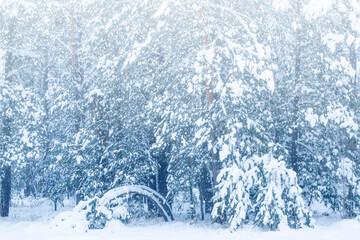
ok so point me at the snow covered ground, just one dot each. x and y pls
(40, 223)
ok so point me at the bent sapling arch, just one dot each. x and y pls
(153, 196)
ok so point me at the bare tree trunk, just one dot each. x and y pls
(77, 80)
(77, 73)
(348, 188)
(192, 203)
(29, 184)
(210, 97)
(6, 167)
(201, 198)
(55, 204)
(295, 128)
(6, 191)
(6, 130)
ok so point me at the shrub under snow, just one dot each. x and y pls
(263, 190)
(90, 215)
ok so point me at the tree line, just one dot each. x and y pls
(245, 110)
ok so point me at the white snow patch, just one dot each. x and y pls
(224, 152)
(311, 117)
(281, 5)
(269, 77)
(18, 228)
(332, 39)
(315, 8)
(136, 51)
(162, 10)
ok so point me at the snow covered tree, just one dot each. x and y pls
(263, 190)
(182, 97)
(13, 97)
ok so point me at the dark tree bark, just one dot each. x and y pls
(201, 198)
(158, 182)
(29, 182)
(6, 169)
(163, 173)
(55, 204)
(205, 191)
(210, 98)
(348, 187)
(5, 191)
(294, 137)
(192, 202)
(6, 129)
(295, 128)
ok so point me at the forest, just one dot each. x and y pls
(236, 112)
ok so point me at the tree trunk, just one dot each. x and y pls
(294, 137)
(6, 191)
(354, 90)
(351, 144)
(29, 181)
(6, 130)
(206, 189)
(201, 198)
(79, 197)
(55, 204)
(192, 203)
(163, 172)
(295, 128)
(210, 97)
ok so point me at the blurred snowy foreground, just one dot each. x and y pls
(40, 222)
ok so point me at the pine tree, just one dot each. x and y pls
(261, 189)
